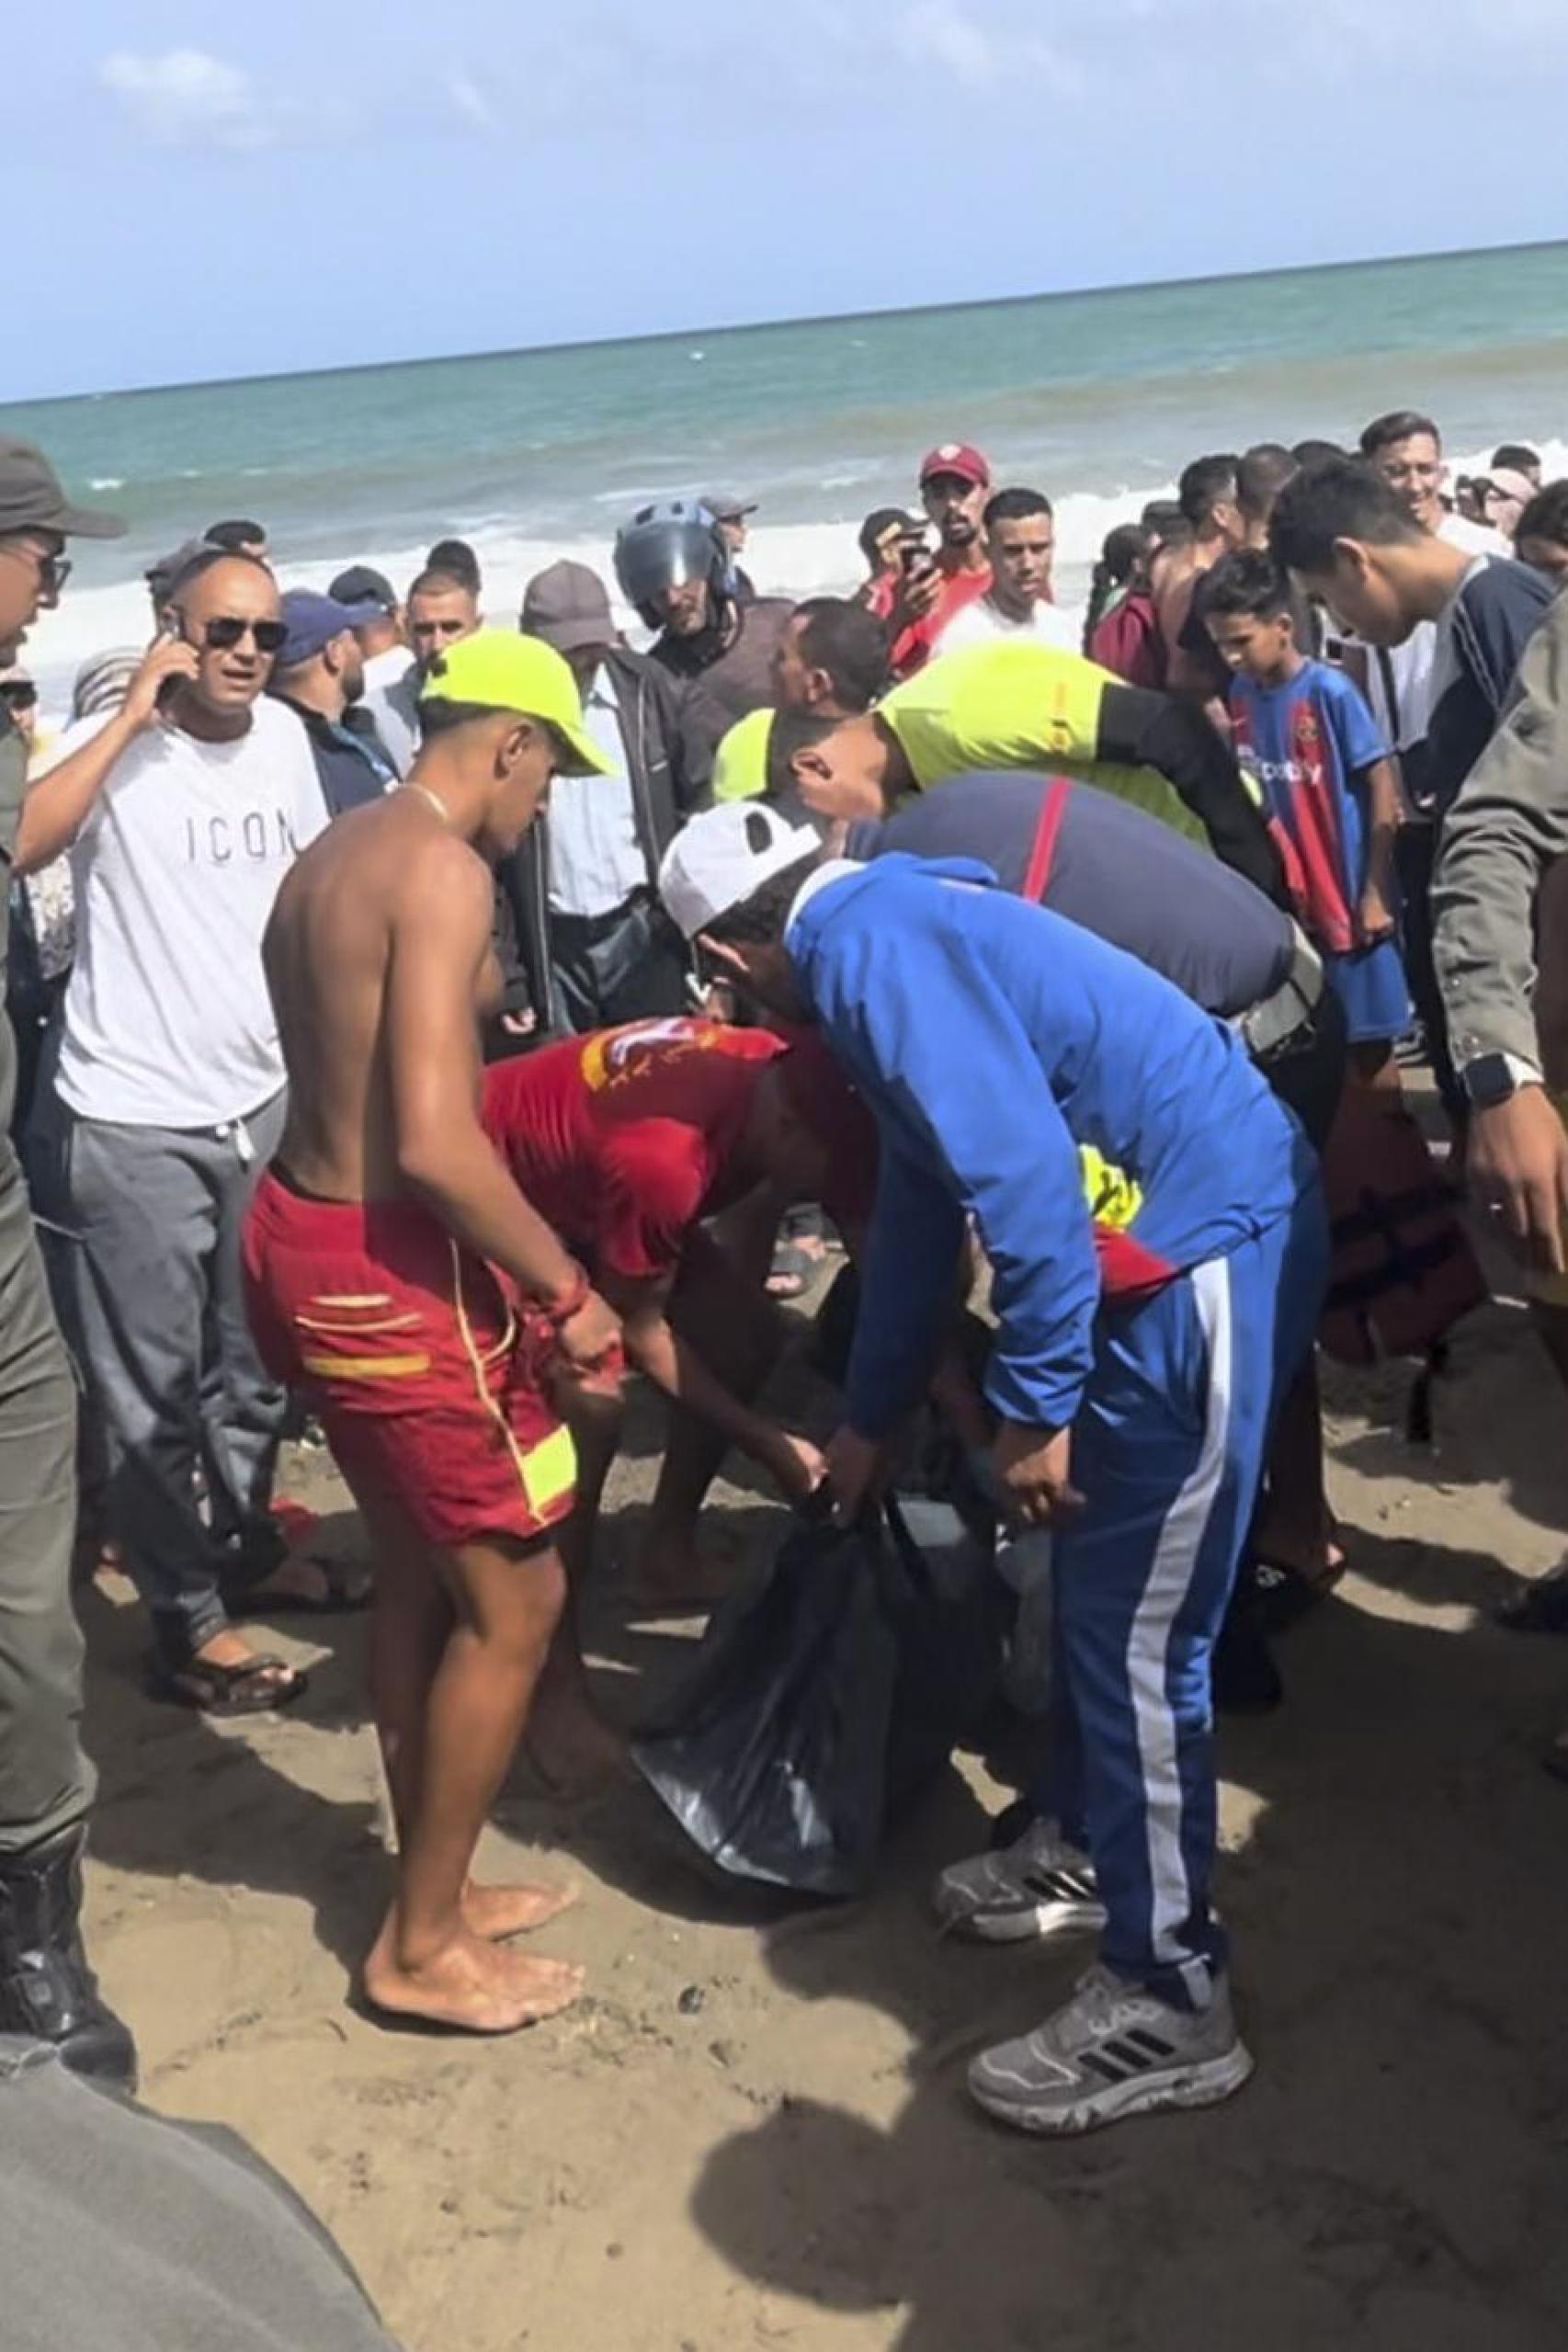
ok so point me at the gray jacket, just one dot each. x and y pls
(1509, 824)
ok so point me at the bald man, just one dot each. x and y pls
(185, 810)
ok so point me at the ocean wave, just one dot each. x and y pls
(816, 558)
(107, 481)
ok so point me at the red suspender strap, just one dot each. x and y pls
(1052, 809)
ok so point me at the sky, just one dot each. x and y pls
(192, 192)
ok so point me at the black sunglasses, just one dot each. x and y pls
(227, 631)
(18, 693)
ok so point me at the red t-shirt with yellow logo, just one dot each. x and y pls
(625, 1139)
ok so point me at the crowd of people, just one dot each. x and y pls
(425, 1023)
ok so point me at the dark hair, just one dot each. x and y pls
(1546, 516)
(1164, 519)
(1399, 425)
(186, 578)
(1517, 457)
(1122, 551)
(758, 921)
(1014, 506)
(848, 642)
(1247, 580)
(878, 523)
(1206, 484)
(1330, 502)
(438, 717)
(792, 731)
(234, 536)
(1318, 452)
(1261, 476)
(434, 581)
(457, 560)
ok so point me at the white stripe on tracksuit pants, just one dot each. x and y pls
(1168, 1448)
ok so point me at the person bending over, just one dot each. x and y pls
(1140, 1342)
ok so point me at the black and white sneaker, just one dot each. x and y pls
(1113, 2051)
(1038, 1886)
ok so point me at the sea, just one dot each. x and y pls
(1097, 398)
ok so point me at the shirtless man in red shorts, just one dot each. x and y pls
(629, 1141)
(399, 1277)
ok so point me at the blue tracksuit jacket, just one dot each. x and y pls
(1009, 1058)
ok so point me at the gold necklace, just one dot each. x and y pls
(425, 794)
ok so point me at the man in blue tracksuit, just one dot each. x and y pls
(1155, 1233)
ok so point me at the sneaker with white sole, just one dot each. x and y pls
(1038, 1886)
(1113, 2051)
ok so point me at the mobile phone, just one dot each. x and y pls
(915, 559)
(169, 628)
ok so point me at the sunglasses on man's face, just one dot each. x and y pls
(220, 635)
(52, 571)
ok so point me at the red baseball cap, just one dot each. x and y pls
(956, 456)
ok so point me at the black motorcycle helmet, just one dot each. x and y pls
(663, 547)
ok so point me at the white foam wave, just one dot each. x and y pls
(784, 559)
(1553, 460)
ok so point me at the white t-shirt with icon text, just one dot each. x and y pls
(167, 1019)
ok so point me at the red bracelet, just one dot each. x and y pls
(559, 1311)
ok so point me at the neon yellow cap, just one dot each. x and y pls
(740, 764)
(496, 669)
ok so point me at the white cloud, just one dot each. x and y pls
(939, 34)
(187, 98)
(935, 32)
(469, 100)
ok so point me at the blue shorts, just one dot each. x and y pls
(1370, 984)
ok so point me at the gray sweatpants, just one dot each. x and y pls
(46, 1782)
(147, 1253)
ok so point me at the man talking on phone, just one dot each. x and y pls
(926, 593)
(184, 811)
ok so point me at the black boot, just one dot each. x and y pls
(47, 1989)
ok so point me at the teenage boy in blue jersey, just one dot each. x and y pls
(1147, 1318)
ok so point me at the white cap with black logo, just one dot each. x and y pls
(723, 856)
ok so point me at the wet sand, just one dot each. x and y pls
(752, 2132)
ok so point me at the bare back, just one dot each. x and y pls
(387, 890)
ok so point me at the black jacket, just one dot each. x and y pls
(352, 762)
(668, 771)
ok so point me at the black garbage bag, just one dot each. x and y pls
(820, 1708)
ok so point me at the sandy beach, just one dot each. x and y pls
(754, 2131)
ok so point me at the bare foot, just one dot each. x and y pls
(576, 1753)
(496, 1912)
(470, 1984)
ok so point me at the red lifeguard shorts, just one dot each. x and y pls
(426, 1371)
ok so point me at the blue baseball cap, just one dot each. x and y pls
(313, 621)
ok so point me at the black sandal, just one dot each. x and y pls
(209, 1688)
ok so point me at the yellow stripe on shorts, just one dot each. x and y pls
(366, 1367)
(549, 1470)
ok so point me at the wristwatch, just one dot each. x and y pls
(1495, 1079)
